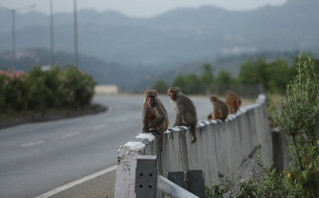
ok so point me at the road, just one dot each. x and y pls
(38, 157)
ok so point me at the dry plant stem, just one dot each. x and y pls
(297, 151)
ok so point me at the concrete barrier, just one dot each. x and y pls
(221, 148)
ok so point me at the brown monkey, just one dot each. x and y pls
(185, 110)
(220, 109)
(233, 101)
(154, 115)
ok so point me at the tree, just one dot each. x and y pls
(274, 76)
(279, 74)
(161, 86)
(224, 78)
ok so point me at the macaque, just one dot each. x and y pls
(233, 101)
(220, 109)
(154, 115)
(185, 110)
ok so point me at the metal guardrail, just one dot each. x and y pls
(173, 189)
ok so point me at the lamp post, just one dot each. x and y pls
(75, 35)
(13, 11)
(51, 33)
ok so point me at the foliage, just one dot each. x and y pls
(297, 117)
(39, 90)
(267, 182)
(196, 84)
(221, 188)
(13, 89)
(161, 86)
(273, 76)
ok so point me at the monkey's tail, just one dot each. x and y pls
(193, 132)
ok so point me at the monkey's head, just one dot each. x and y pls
(150, 96)
(213, 98)
(173, 92)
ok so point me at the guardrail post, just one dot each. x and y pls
(146, 176)
(191, 180)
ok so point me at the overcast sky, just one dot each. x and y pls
(135, 8)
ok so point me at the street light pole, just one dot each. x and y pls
(75, 35)
(13, 11)
(13, 55)
(51, 33)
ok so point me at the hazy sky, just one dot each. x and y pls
(135, 8)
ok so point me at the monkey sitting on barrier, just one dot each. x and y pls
(154, 114)
(233, 101)
(220, 109)
(185, 110)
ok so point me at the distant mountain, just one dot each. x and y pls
(173, 38)
(146, 47)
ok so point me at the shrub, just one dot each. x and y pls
(39, 90)
(76, 87)
(13, 91)
(43, 86)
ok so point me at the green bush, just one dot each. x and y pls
(76, 87)
(39, 90)
(13, 91)
(43, 86)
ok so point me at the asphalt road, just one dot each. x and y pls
(38, 157)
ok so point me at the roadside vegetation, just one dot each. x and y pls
(40, 91)
(296, 116)
(272, 75)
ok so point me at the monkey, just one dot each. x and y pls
(185, 110)
(154, 114)
(233, 101)
(220, 109)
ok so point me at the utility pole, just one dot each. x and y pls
(13, 11)
(76, 59)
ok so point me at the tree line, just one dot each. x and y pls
(272, 75)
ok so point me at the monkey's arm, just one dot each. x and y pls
(160, 117)
(144, 119)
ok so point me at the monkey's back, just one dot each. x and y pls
(188, 110)
(220, 110)
(164, 127)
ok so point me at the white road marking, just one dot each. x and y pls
(32, 143)
(101, 126)
(71, 134)
(76, 182)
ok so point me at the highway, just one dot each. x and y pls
(38, 157)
